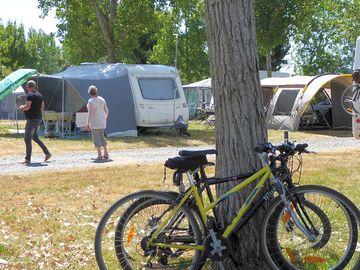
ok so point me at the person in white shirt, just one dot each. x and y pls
(96, 121)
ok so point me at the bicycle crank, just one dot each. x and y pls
(217, 247)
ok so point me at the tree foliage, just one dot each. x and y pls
(321, 33)
(43, 54)
(35, 49)
(142, 31)
(12, 45)
(325, 39)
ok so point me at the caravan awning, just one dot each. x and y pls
(10, 83)
(200, 84)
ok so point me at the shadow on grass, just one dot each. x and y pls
(333, 133)
(11, 135)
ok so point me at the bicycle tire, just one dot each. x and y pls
(287, 248)
(349, 100)
(140, 220)
(105, 231)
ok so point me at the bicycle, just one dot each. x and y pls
(182, 234)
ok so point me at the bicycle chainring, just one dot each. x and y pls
(217, 251)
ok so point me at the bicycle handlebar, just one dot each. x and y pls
(287, 148)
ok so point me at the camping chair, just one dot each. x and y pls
(210, 121)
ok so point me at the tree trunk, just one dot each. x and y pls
(239, 114)
(268, 64)
(107, 27)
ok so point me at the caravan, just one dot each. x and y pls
(158, 96)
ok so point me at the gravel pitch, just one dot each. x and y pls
(13, 165)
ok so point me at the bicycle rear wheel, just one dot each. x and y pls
(136, 225)
(105, 252)
(324, 212)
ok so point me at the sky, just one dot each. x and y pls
(27, 13)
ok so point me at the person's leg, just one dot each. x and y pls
(99, 152)
(106, 154)
(29, 131)
(104, 145)
(96, 139)
(36, 139)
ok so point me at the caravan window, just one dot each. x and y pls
(285, 101)
(158, 89)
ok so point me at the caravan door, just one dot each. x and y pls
(159, 100)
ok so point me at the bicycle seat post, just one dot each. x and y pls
(190, 178)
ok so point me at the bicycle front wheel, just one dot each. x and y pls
(323, 212)
(173, 248)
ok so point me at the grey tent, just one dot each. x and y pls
(9, 105)
(307, 102)
(198, 95)
(67, 92)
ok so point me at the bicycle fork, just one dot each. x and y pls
(281, 190)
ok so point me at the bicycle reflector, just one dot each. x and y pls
(130, 234)
(311, 259)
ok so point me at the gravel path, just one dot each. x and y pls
(12, 165)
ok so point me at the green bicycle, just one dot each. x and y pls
(306, 227)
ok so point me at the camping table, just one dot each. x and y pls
(55, 119)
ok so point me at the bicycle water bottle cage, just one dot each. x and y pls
(185, 164)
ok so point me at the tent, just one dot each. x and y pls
(9, 105)
(67, 91)
(199, 94)
(306, 102)
(298, 102)
(120, 85)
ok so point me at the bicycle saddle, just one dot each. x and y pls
(188, 163)
(184, 153)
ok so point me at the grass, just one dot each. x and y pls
(201, 134)
(48, 220)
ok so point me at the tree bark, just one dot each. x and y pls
(107, 27)
(268, 64)
(239, 114)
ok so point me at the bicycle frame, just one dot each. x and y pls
(265, 174)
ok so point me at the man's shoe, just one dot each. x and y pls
(26, 162)
(47, 157)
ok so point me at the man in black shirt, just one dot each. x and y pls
(33, 108)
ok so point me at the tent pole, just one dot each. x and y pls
(62, 108)
(16, 117)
